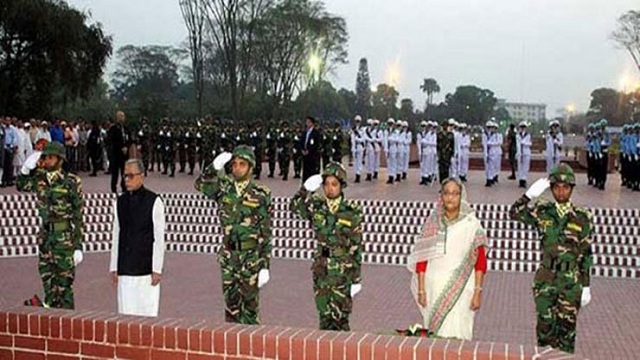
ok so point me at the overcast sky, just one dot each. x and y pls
(543, 51)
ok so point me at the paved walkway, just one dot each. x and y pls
(505, 192)
(607, 329)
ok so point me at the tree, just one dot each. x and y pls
(384, 101)
(146, 79)
(321, 101)
(363, 89)
(627, 35)
(47, 48)
(471, 104)
(406, 110)
(350, 100)
(194, 18)
(430, 86)
(297, 38)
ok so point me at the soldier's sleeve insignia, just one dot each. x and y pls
(345, 222)
(250, 203)
(574, 227)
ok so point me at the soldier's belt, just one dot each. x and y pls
(57, 225)
(242, 245)
(326, 252)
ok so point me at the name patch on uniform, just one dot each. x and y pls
(251, 204)
(344, 222)
(60, 190)
(574, 227)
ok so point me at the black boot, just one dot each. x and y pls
(423, 181)
(270, 175)
(296, 176)
(404, 176)
(489, 183)
(463, 178)
(523, 184)
(285, 177)
(390, 181)
(368, 177)
(357, 179)
(512, 177)
(398, 178)
(495, 179)
(375, 174)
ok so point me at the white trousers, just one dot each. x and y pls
(358, 160)
(392, 162)
(424, 165)
(136, 296)
(370, 160)
(524, 162)
(376, 162)
(463, 164)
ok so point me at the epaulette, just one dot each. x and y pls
(583, 211)
(353, 204)
(262, 189)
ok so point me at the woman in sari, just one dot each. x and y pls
(448, 263)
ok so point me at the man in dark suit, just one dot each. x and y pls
(119, 151)
(310, 150)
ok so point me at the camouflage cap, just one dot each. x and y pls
(562, 173)
(246, 153)
(55, 148)
(336, 169)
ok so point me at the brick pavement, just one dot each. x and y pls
(608, 327)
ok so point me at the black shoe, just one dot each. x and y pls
(495, 179)
(590, 181)
(404, 176)
(93, 175)
(357, 179)
(285, 178)
(523, 184)
(296, 176)
(270, 176)
(488, 184)
(423, 181)
(398, 178)
(164, 172)
(172, 175)
(390, 181)
(375, 175)
(512, 177)
(463, 178)
(368, 177)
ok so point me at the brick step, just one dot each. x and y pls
(618, 258)
(182, 200)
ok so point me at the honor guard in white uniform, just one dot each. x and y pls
(464, 145)
(554, 142)
(523, 153)
(357, 146)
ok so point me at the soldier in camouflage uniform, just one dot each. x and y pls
(190, 147)
(338, 256)
(298, 145)
(445, 149)
(169, 151)
(244, 208)
(561, 284)
(336, 142)
(284, 146)
(257, 144)
(59, 203)
(272, 148)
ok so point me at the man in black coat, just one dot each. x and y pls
(119, 151)
(311, 150)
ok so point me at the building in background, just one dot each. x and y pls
(529, 112)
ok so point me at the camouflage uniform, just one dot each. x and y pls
(271, 149)
(566, 263)
(445, 152)
(336, 143)
(285, 145)
(246, 248)
(338, 256)
(59, 204)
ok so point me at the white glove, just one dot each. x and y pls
(313, 183)
(355, 289)
(586, 296)
(636, 157)
(263, 277)
(537, 188)
(77, 257)
(221, 160)
(30, 163)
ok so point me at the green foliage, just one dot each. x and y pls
(384, 101)
(47, 48)
(471, 104)
(363, 89)
(430, 87)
